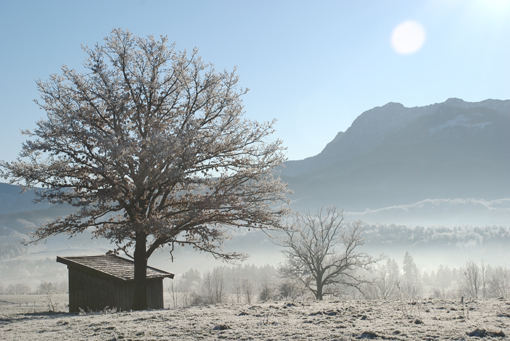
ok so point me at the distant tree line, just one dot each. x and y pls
(235, 285)
(43, 288)
(388, 280)
(473, 281)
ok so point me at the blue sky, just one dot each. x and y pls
(312, 65)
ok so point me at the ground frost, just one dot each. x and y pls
(333, 320)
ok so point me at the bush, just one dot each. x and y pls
(266, 293)
(287, 290)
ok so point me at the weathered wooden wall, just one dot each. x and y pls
(92, 292)
(155, 293)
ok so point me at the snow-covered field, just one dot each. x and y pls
(27, 318)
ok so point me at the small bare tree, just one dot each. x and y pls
(499, 283)
(247, 288)
(472, 279)
(386, 281)
(323, 252)
(410, 285)
(218, 285)
(237, 288)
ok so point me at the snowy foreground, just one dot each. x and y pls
(330, 320)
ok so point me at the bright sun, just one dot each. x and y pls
(408, 37)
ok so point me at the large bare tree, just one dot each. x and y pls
(151, 146)
(322, 252)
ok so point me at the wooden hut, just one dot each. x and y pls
(98, 282)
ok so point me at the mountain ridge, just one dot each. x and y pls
(443, 143)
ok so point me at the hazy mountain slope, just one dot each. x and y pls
(393, 155)
(12, 200)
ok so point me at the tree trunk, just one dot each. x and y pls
(318, 293)
(140, 299)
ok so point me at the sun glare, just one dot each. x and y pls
(496, 4)
(496, 9)
(408, 37)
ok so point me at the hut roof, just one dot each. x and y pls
(111, 265)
